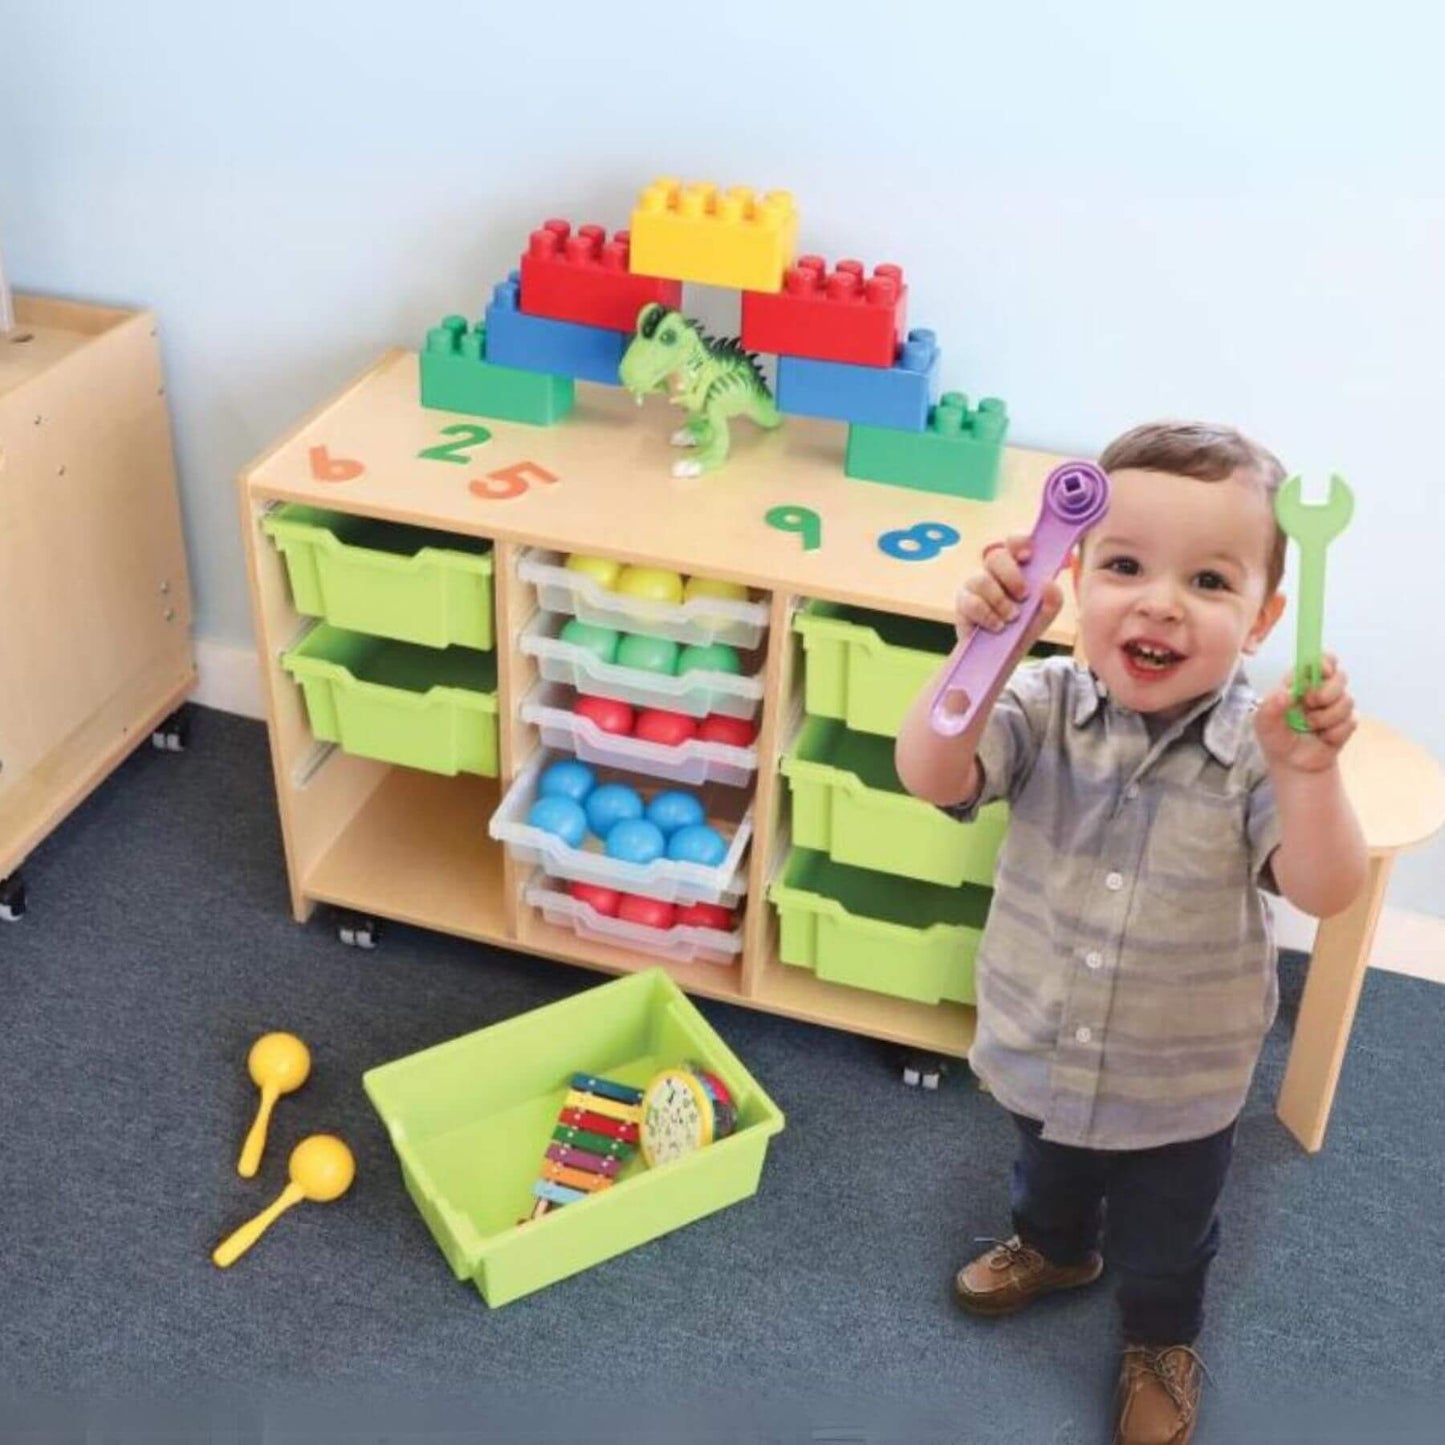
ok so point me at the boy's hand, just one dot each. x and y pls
(1330, 711)
(990, 599)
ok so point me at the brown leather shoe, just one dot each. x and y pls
(1159, 1395)
(1013, 1274)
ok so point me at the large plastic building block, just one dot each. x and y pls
(842, 315)
(896, 397)
(585, 278)
(959, 454)
(537, 343)
(716, 238)
(457, 376)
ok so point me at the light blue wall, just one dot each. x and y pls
(1109, 212)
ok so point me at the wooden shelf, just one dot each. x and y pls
(414, 847)
(417, 851)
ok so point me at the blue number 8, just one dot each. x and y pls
(919, 543)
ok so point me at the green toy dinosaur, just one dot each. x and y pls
(714, 379)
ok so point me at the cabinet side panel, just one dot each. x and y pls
(92, 563)
(780, 688)
(318, 791)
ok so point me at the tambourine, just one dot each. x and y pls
(684, 1109)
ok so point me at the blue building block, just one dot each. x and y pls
(537, 343)
(896, 397)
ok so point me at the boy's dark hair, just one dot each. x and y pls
(1208, 453)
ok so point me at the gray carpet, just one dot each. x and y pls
(159, 944)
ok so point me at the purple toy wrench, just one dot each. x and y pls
(1076, 495)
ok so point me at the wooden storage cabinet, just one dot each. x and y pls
(95, 646)
(420, 847)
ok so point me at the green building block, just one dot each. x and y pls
(959, 454)
(456, 376)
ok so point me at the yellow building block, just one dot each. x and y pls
(698, 233)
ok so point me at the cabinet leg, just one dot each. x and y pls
(923, 1070)
(357, 930)
(174, 733)
(12, 898)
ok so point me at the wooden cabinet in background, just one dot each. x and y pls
(95, 608)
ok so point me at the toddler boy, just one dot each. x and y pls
(1126, 977)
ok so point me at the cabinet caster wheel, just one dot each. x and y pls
(924, 1071)
(12, 899)
(172, 735)
(356, 930)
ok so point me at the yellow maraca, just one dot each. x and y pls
(321, 1170)
(278, 1063)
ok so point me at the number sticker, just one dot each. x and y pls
(802, 520)
(921, 542)
(508, 482)
(468, 437)
(326, 468)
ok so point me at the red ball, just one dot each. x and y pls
(609, 713)
(736, 732)
(706, 915)
(671, 729)
(651, 912)
(603, 900)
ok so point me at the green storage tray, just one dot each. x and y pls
(888, 935)
(385, 578)
(849, 804)
(865, 668)
(470, 1121)
(416, 706)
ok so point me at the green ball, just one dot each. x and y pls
(600, 641)
(647, 654)
(714, 657)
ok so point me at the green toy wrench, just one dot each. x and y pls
(1312, 528)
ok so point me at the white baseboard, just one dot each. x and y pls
(1412, 943)
(230, 678)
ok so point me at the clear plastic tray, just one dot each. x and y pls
(682, 943)
(695, 693)
(549, 709)
(729, 810)
(703, 620)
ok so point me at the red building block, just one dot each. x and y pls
(584, 278)
(838, 316)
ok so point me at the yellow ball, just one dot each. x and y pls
(715, 587)
(653, 583)
(603, 569)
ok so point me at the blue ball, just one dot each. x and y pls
(611, 803)
(635, 840)
(562, 816)
(674, 809)
(567, 778)
(697, 844)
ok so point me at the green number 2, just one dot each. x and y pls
(468, 437)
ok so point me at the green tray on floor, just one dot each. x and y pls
(847, 802)
(470, 1121)
(872, 931)
(417, 706)
(413, 584)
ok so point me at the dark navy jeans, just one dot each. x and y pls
(1153, 1212)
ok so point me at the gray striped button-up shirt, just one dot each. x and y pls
(1126, 976)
